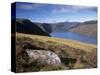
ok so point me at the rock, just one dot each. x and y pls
(43, 57)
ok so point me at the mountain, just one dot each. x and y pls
(88, 28)
(47, 27)
(26, 26)
(90, 22)
(63, 26)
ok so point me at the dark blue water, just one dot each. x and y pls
(75, 36)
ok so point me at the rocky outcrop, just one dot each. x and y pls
(43, 57)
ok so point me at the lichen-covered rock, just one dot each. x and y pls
(43, 57)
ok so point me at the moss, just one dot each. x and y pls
(53, 67)
(90, 59)
(69, 62)
(22, 61)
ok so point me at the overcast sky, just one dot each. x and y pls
(55, 13)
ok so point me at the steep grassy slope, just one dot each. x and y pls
(26, 26)
(73, 54)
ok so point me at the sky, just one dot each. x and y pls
(50, 13)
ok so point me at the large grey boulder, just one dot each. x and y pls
(43, 57)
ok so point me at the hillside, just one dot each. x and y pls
(86, 28)
(26, 26)
(63, 26)
(73, 54)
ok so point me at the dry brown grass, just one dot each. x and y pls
(68, 42)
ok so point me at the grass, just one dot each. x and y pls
(53, 67)
(72, 43)
(73, 54)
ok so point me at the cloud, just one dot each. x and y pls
(82, 8)
(72, 8)
(28, 6)
(55, 8)
(25, 6)
(60, 9)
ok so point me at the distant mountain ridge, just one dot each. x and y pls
(26, 26)
(66, 26)
(63, 26)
